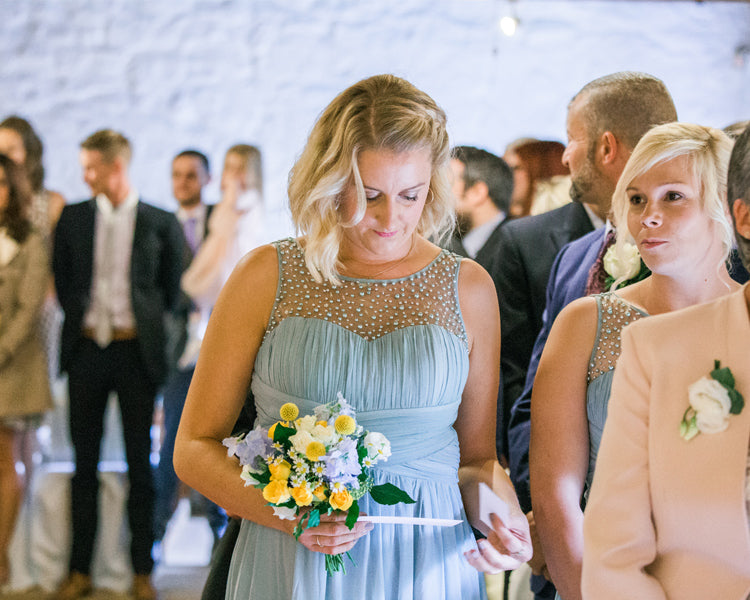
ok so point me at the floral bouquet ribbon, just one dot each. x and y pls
(316, 464)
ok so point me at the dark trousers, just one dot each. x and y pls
(175, 393)
(94, 374)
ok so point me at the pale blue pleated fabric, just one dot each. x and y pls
(406, 384)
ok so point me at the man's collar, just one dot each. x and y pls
(196, 211)
(104, 205)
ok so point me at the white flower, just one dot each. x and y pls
(711, 403)
(625, 264)
(231, 444)
(325, 434)
(301, 440)
(306, 423)
(248, 475)
(288, 514)
(378, 446)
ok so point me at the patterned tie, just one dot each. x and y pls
(189, 228)
(595, 284)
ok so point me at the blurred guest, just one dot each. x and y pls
(117, 264)
(669, 205)
(668, 512)
(190, 173)
(540, 179)
(606, 118)
(24, 385)
(22, 144)
(482, 184)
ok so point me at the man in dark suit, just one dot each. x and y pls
(190, 173)
(483, 185)
(605, 121)
(117, 264)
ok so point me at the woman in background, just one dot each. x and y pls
(24, 385)
(668, 512)
(540, 180)
(671, 203)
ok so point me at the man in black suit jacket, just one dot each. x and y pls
(483, 185)
(117, 264)
(190, 173)
(520, 266)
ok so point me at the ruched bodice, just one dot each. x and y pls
(396, 350)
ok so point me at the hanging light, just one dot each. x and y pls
(509, 23)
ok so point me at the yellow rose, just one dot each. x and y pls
(276, 492)
(280, 471)
(289, 411)
(345, 425)
(341, 500)
(302, 495)
(271, 429)
(320, 492)
(314, 451)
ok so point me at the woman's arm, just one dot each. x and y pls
(559, 451)
(217, 392)
(620, 540)
(509, 544)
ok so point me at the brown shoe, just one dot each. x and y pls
(143, 589)
(76, 585)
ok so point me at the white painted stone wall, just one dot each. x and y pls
(210, 73)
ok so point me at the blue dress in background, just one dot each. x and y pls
(397, 350)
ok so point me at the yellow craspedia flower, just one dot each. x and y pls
(276, 492)
(345, 425)
(289, 411)
(320, 492)
(341, 500)
(302, 495)
(315, 450)
(280, 471)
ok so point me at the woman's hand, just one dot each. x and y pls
(332, 536)
(506, 548)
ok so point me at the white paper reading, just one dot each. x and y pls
(491, 503)
(410, 521)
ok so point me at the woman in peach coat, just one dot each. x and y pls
(668, 513)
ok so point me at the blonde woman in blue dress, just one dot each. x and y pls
(670, 203)
(365, 305)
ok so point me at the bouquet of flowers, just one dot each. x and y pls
(314, 465)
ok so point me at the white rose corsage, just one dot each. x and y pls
(712, 399)
(625, 264)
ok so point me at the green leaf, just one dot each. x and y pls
(282, 434)
(352, 515)
(263, 478)
(738, 402)
(724, 377)
(313, 518)
(361, 452)
(387, 493)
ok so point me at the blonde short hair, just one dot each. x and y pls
(111, 144)
(383, 112)
(707, 150)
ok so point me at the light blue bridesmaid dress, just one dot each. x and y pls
(397, 351)
(614, 314)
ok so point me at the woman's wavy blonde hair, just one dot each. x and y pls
(383, 112)
(707, 150)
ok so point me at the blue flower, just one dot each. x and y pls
(256, 445)
(342, 463)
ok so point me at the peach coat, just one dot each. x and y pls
(666, 517)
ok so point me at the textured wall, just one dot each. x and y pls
(209, 73)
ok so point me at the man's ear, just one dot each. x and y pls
(741, 212)
(608, 149)
(477, 192)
